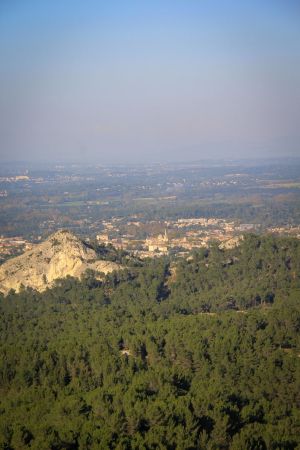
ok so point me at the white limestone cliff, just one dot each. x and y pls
(62, 254)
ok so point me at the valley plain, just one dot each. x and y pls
(150, 307)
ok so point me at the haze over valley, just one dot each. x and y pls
(149, 225)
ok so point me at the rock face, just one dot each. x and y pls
(231, 243)
(62, 254)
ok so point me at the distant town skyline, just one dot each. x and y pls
(160, 81)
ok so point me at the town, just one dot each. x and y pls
(157, 238)
(179, 236)
(148, 210)
(147, 239)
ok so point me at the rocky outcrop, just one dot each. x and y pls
(231, 243)
(62, 254)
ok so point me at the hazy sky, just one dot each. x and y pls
(156, 80)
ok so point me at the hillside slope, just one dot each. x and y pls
(62, 254)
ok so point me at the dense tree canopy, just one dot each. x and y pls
(190, 354)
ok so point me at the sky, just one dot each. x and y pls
(149, 81)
